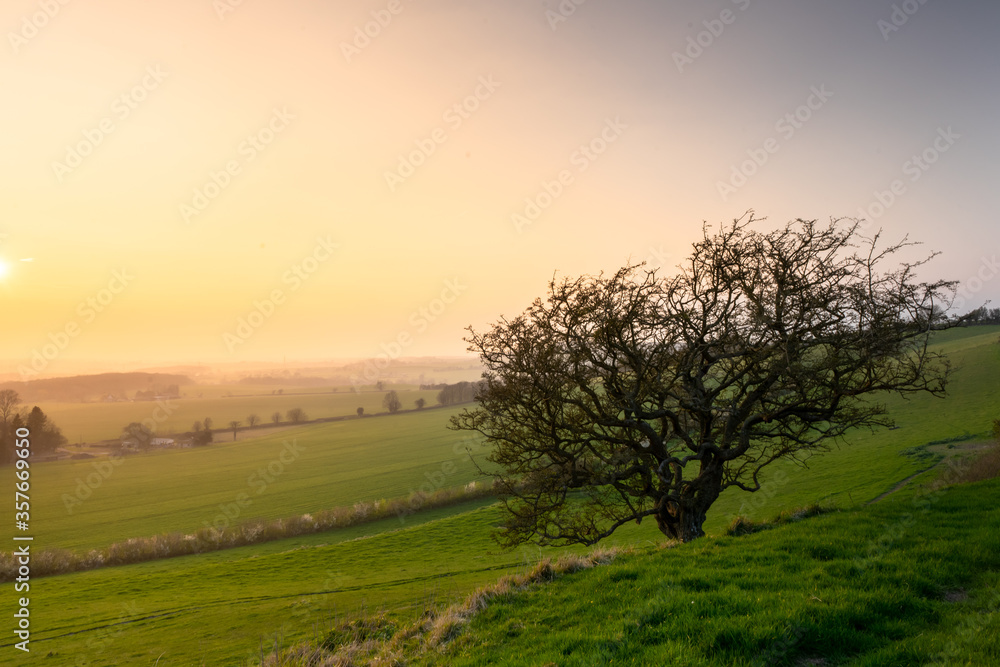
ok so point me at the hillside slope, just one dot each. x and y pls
(913, 581)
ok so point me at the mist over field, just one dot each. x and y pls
(551, 332)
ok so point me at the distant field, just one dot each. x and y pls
(217, 609)
(224, 603)
(90, 422)
(384, 457)
(328, 465)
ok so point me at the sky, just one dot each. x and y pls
(225, 181)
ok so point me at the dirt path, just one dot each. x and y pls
(903, 483)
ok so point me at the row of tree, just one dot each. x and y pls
(450, 394)
(983, 315)
(461, 392)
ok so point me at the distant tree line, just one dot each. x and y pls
(94, 387)
(984, 315)
(170, 391)
(461, 392)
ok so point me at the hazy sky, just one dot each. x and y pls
(172, 167)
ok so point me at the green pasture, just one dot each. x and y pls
(90, 422)
(890, 585)
(215, 608)
(83, 504)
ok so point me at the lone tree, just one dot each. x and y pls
(9, 400)
(361, 412)
(276, 417)
(253, 420)
(45, 436)
(635, 395)
(391, 401)
(420, 403)
(138, 433)
(234, 426)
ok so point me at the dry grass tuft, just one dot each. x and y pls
(252, 531)
(371, 644)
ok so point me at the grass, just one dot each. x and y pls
(216, 608)
(235, 606)
(92, 422)
(78, 505)
(143, 549)
(900, 583)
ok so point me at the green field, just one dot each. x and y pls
(216, 608)
(888, 585)
(293, 472)
(90, 422)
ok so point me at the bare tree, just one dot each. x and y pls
(391, 402)
(234, 426)
(253, 420)
(196, 427)
(9, 400)
(276, 417)
(420, 403)
(208, 423)
(361, 412)
(296, 415)
(637, 395)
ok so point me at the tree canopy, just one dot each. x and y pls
(639, 395)
(391, 401)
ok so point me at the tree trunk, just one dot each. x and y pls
(684, 520)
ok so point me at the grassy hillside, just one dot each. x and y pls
(891, 584)
(217, 607)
